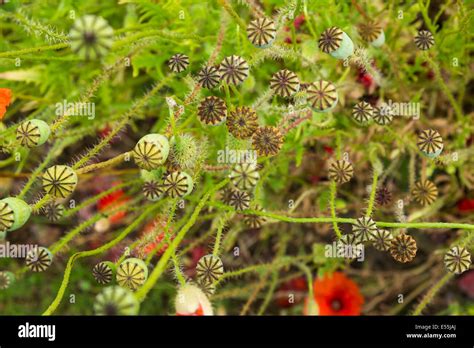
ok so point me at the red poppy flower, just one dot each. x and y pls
(5, 100)
(466, 205)
(112, 201)
(337, 295)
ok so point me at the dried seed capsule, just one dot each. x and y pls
(424, 40)
(132, 273)
(212, 110)
(373, 33)
(14, 213)
(244, 176)
(382, 239)
(383, 196)
(209, 77)
(267, 141)
(190, 300)
(403, 248)
(54, 211)
(430, 143)
(39, 259)
(336, 42)
(115, 300)
(208, 288)
(383, 114)
(340, 171)
(364, 229)
(153, 190)
(234, 70)
(179, 62)
(240, 200)
(209, 269)
(151, 151)
(261, 32)
(425, 192)
(103, 272)
(242, 122)
(6, 279)
(91, 37)
(59, 181)
(33, 133)
(178, 184)
(226, 194)
(322, 96)
(255, 221)
(285, 83)
(362, 112)
(457, 260)
(347, 240)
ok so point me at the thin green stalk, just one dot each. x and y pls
(373, 190)
(220, 228)
(18, 53)
(332, 204)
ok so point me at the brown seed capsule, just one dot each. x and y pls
(267, 141)
(382, 239)
(209, 77)
(457, 260)
(212, 110)
(153, 190)
(234, 70)
(364, 229)
(39, 259)
(430, 143)
(349, 240)
(372, 32)
(322, 96)
(102, 272)
(261, 32)
(330, 39)
(362, 112)
(54, 211)
(226, 194)
(209, 269)
(284, 83)
(341, 171)
(424, 40)
(255, 221)
(425, 192)
(242, 122)
(179, 62)
(383, 196)
(383, 114)
(403, 248)
(240, 200)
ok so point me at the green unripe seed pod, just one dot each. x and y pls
(152, 175)
(33, 133)
(132, 273)
(151, 151)
(59, 181)
(14, 213)
(178, 184)
(115, 300)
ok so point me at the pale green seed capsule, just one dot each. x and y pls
(6, 279)
(178, 184)
(33, 133)
(151, 151)
(132, 273)
(59, 181)
(14, 213)
(152, 175)
(115, 300)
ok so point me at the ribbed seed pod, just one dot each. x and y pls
(340, 171)
(349, 239)
(425, 192)
(179, 62)
(240, 200)
(209, 269)
(382, 239)
(39, 259)
(115, 300)
(103, 272)
(255, 221)
(153, 190)
(6, 279)
(209, 77)
(285, 83)
(226, 193)
(364, 229)
(261, 32)
(14, 213)
(373, 33)
(178, 184)
(244, 176)
(234, 70)
(151, 151)
(383, 196)
(91, 37)
(362, 112)
(59, 181)
(403, 248)
(242, 122)
(208, 288)
(212, 110)
(383, 115)
(132, 273)
(424, 40)
(457, 260)
(53, 211)
(267, 141)
(322, 96)
(33, 133)
(336, 42)
(430, 143)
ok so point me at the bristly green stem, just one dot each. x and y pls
(33, 50)
(373, 190)
(332, 204)
(220, 228)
